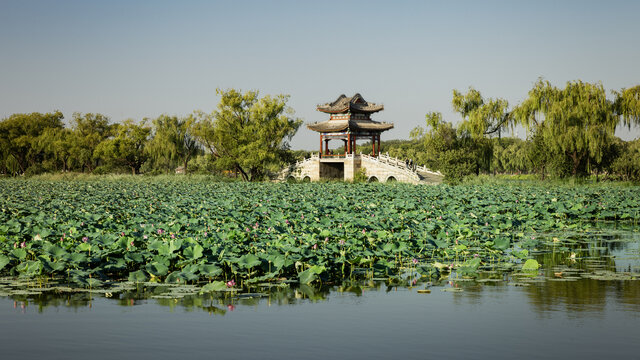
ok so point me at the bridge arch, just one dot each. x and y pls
(391, 179)
(372, 179)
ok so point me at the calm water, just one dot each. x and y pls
(550, 319)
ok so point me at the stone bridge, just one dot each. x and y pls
(382, 168)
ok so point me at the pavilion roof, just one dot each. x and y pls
(354, 104)
(353, 125)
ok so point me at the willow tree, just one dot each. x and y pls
(246, 133)
(577, 122)
(173, 141)
(627, 105)
(482, 117)
(57, 143)
(89, 130)
(127, 146)
(20, 135)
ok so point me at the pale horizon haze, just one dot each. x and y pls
(141, 59)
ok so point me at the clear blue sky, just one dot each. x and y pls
(135, 59)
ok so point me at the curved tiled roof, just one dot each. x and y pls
(353, 125)
(354, 104)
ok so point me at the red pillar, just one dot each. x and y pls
(378, 144)
(320, 145)
(373, 145)
(348, 143)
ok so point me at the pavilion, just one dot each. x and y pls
(350, 120)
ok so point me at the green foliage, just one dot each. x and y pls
(127, 147)
(187, 229)
(482, 116)
(627, 164)
(627, 105)
(575, 123)
(530, 265)
(21, 139)
(455, 155)
(248, 134)
(456, 164)
(173, 142)
(360, 175)
(88, 131)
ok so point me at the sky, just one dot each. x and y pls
(141, 59)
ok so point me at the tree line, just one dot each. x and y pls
(247, 135)
(570, 134)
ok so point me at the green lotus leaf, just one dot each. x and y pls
(214, 286)
(530, 265)
(19, 254)
(93, 282)
(248, 261)
(193, 252)
(501, 243)
(157, 269)
(84, 247)
(4, 260)
(210, 270)
(311, 274)
(77, 258)
(137, 276)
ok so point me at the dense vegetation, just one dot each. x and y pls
(190, 229)
(570, 134)
(246, 135)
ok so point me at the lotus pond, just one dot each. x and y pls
(502, 255)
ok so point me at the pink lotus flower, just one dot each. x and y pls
(326, 240)
(415, 261)
(85, 239)
(23, 244)
(231, 307)
(145, 237)
(315, 246)
(231, 283)
(286, 222)
(341, 242)
(205, 234)
(173, 236)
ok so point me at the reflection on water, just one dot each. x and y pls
(580, 273)
(584, 302)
